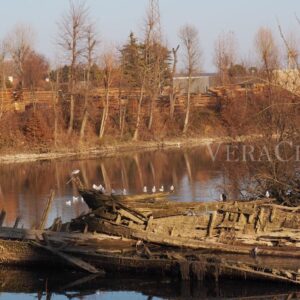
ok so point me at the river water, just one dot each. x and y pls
(24, 188)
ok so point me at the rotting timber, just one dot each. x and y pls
(256, 239)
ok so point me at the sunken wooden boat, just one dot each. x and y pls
(257, 240)
(228, 227)
(95, 198)
(260, 229)
(102, 254)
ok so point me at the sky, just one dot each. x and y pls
(116, 18)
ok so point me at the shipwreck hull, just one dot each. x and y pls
(112, 255)
(189, 241)
(23, 254)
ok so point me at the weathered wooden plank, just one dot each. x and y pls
(17, 221)
(75, 261)
(2, 217)
(130, 216)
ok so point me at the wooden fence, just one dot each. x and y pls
(18, 101)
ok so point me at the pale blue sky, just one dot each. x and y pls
(116, 18)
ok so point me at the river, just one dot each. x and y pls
(25, 187)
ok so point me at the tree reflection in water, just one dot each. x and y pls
(25, 186)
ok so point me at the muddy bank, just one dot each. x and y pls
(108, 150)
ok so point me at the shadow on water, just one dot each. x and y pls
(71, 285)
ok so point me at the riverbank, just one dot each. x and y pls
(109, 150)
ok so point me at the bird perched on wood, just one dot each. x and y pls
(268, 194)
(68, 203)
(154, 189)
(75, 199)
(75, 172)
(145, 189)
(124, 192)
(98, 188)
(161, 188)
(172, 188)
(223, 197)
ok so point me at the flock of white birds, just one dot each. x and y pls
(101, 188)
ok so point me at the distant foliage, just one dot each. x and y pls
(36, 130)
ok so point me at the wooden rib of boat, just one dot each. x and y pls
(95, 199)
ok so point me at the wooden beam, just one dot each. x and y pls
(72, 260)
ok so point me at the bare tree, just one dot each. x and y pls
(190, 42)
(19, 42)
(291, 48)
(289, 79)
(72, 34)
(92, 41)
(139, 110)
(3, 53)
(172, 92)
(55, 82)
(225, 55)
(153, 54)
(91, 44)
(267, 51)
(109, 68)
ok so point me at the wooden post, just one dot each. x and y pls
(2, 217)
(46, 211)
(17, 221)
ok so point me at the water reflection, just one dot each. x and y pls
(25, 187)
(36, 284)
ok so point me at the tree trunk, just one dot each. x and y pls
(138, 118)
(152, 104)
(54, 103)
(172, 94)
(83, 124)
(123, 117)
(55, 127)
(71, 121)
(85, 113)
(172, 104)
(188, 104)
(104, 115)
(71, 90)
